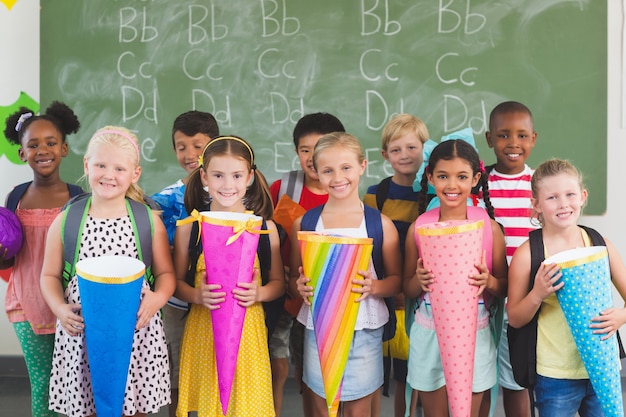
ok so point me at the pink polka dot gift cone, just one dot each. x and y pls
(450, 250)
(332, 262)
(110, 292)
(587, 292)
(229, 243)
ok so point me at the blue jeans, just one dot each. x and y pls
(565, 397)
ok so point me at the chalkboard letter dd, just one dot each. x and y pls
(455, 111)
(133, 104)
(376, 108)
(281, 109)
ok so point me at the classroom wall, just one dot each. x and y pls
(19, 45)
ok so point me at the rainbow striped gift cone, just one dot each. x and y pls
(229, 243)
(110, 292)
(588, 291)
(332, 262)
(450, 250)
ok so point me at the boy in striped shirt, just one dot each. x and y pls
(512, 136)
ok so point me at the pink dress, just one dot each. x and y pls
(23, 300)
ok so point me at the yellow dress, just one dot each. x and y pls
(251, 393)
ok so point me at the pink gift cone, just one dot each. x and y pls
(110, 293)
(587, 292)
(229, 243)
(332, 262)
(450, 250)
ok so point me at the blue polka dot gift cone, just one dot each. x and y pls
(110, 292)
(229, 244)
(587, 291)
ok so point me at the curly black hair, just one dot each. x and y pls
(59, 114)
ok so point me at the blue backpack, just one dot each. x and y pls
(374, 226)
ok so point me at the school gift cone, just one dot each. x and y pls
(229, 243)
(110, 292)
(587, 292)
(450, 250)
(332, 262)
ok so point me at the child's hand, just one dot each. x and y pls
(150, 304)
(608, 322)
(547, 275)
(364, 285)
(70, 318)
(304, 290)
(424, 276)
(249, 294)
(482, 278)
(210, 297)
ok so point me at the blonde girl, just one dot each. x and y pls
(111, 166)
(563, 387)
(339, 162)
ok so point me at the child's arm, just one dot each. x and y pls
(522, 304)
(52, 285)
(392, 282)
(610, 320)
(495, 281)
(164, 279)
(415, 278)
(254, 293)
(297, 281)
(206, 295)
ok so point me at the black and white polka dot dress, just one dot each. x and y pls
(148, 383)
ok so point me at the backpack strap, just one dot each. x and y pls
(76, 211)
(382, 191)
(143, 228)
(75, 190)
(16, 194)
(73, 222)
(273, 309)
(374, 225)
(310, 218)
(292, 183)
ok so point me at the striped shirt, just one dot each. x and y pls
(510, 196)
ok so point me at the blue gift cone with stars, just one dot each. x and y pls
(586, 292)
(110, 292)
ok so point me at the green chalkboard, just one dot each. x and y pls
(259, 65)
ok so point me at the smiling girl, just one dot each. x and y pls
(339, 162)
(111, 165)
(42, 145)
(453, 170)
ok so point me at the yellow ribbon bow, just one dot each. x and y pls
(248, 226)
(195, 216)
(238, 229)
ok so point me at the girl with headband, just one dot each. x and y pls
(112, 226)
(228, 172)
